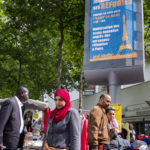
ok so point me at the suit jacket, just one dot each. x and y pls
(10, 123)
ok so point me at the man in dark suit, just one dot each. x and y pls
(11, 121)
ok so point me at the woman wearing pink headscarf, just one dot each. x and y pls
(64, 124)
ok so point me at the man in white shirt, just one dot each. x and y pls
(11, 119)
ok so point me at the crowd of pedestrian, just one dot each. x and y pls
(63, 130)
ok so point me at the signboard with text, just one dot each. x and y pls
(36, 116)
(112, 30)
(113, 40)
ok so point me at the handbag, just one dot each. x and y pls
(45, 145)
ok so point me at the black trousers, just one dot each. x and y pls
(10, 149)
(21, 140)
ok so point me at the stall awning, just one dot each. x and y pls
(137, 118)
(31, 104)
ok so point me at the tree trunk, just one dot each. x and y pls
(81, 91)
(19, 74)
(20, 64)
(42, 95)
(107, 89)
(60, 57)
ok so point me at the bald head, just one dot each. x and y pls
(105, 100)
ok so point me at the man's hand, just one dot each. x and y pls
(2, 147)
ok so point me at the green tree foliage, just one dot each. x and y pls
(41, 44)
(147, 26)
(37, 39)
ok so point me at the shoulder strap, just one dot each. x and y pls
(47, 129)
(47, 132)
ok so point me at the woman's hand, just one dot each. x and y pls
(112, 132)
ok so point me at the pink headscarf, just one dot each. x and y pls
(59, 114)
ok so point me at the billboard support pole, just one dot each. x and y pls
(113, 80)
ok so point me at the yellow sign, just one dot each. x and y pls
(118, 114)
(38, 132)
(36, 115)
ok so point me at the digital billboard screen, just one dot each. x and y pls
(112, 30)
(114, 41)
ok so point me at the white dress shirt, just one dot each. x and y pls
(20, 111)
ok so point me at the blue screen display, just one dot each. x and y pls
(112, 30)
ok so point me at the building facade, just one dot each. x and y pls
(135, 101)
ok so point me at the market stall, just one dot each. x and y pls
(34, 140)
(31, 143)
(31, 104)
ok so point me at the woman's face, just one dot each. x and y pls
(111, 115)
(59, 102)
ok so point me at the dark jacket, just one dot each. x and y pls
(10, 123)
(118, 143)
(114, 144)
(65, 133)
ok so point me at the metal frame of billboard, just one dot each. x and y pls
(114, 71)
